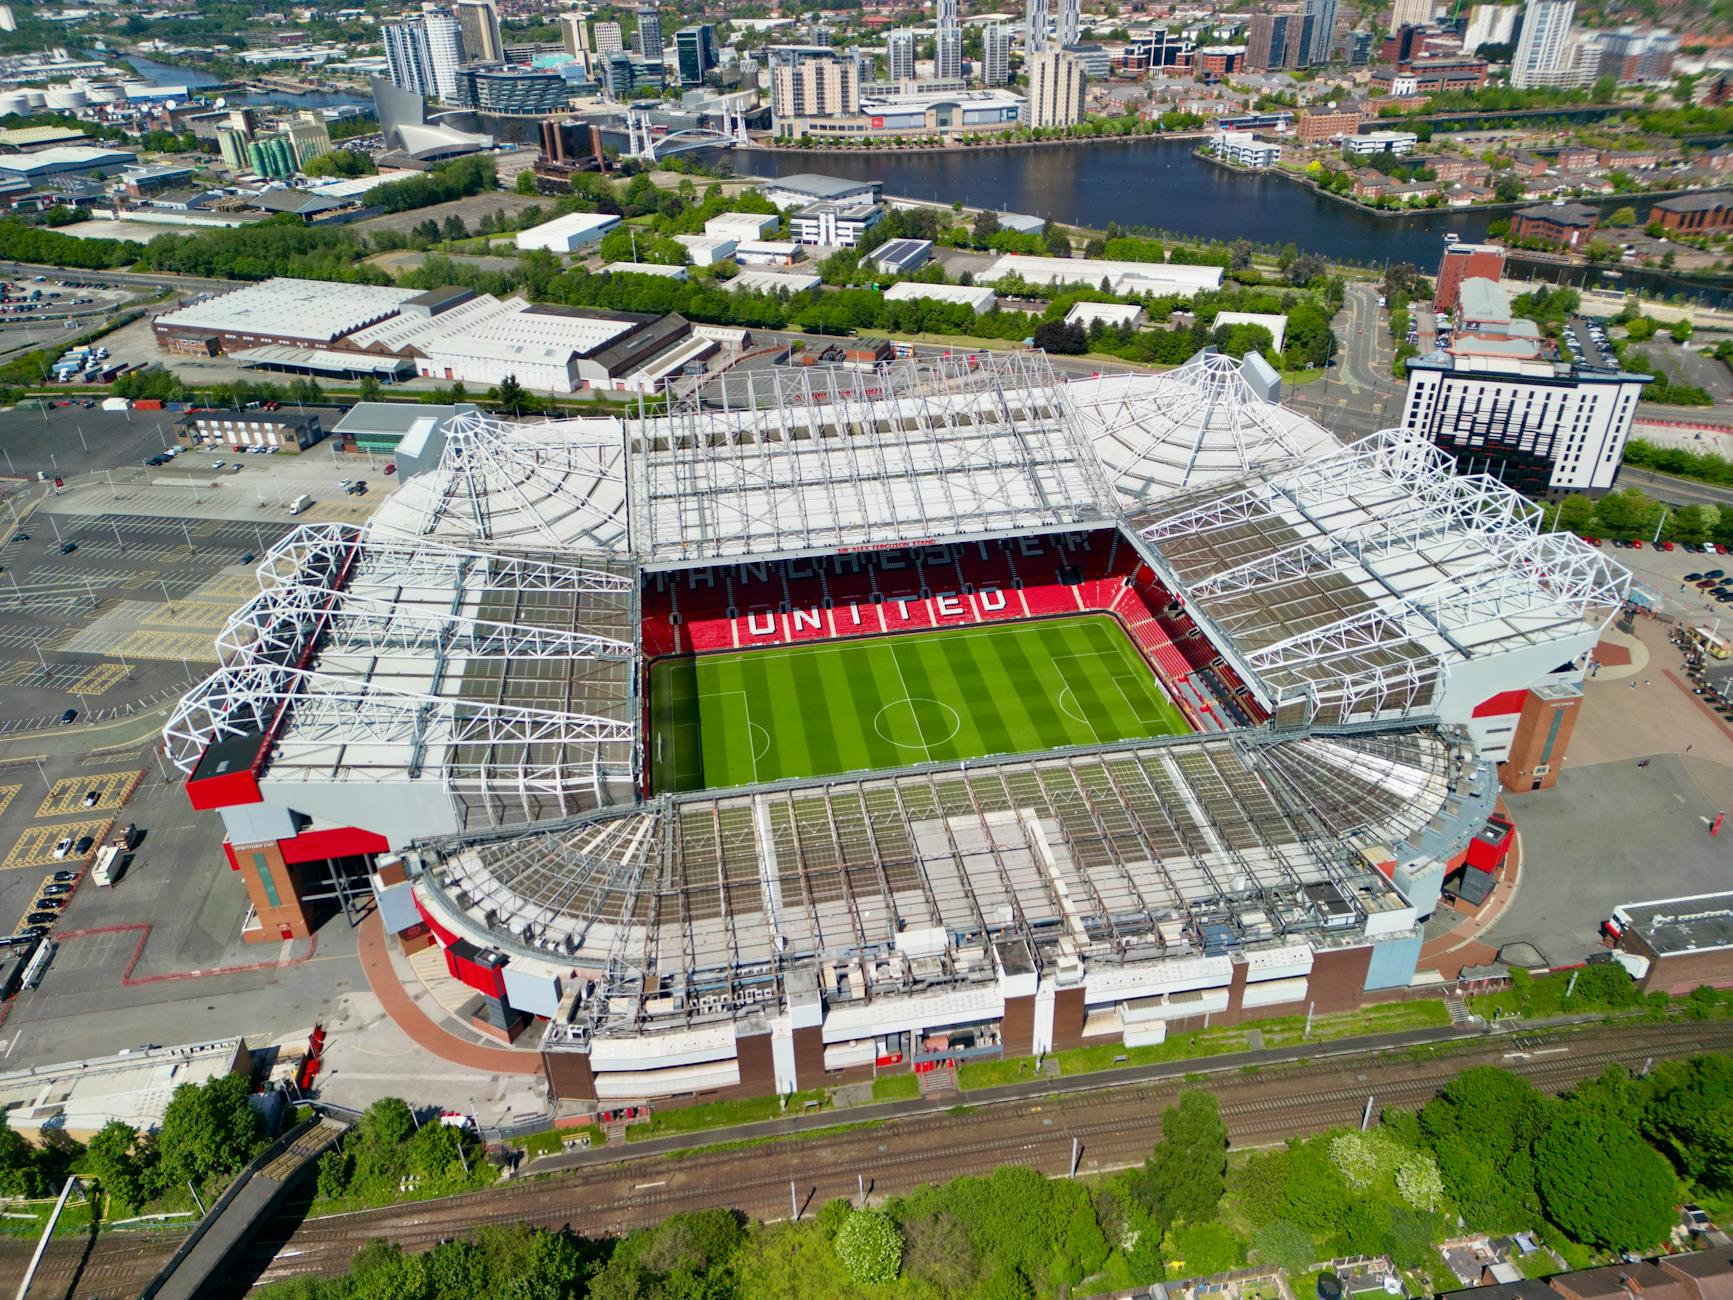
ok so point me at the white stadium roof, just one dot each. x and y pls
(479, 636)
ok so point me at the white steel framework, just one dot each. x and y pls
(816, 460)
(1156, 435)
(1357, 579)
(558, 485)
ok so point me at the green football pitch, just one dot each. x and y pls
(823, 708)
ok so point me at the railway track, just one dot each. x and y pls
(1114, 1126)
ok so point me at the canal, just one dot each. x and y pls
(1162, 184)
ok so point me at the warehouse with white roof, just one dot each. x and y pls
(567, 234)
(978, 298)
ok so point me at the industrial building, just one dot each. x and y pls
(318, 327)
(569, 233)
(66, 160)
(1122, 277)
(451, 704)
(75, 1099)
(306, 313)
(1685, 942)
(978, 298)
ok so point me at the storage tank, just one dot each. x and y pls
(14, 101)
(68, 98)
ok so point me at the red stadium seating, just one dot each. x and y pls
(872, 593)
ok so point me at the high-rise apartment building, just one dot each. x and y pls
(1409, 13)
(480, 23)
(996, 54)
(1323, 31)
(948, 44)
(695, 53)
(812, 81)
(1543, 51)
(948, 54)
(608, 39)
(407, 61)
(1489, 25)
(445, 52)
(1037, 18)
(1267, 41)
(650, 34)
(1068, 27)
(1056, 84)
(900, 55)
(574, 35)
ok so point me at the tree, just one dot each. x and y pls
(1600, 1182)
(1306, 268)
(526, 182)
(1482, 1128)
(370, 390)
(510, 394)
(1061, 339)
(1690, 1117)
(112, 1159)
(1185, 1177)
(1625, 216)
(938, 1251)
(209, 1130)
(870, 1246)
(1682, 330)
(20, 1171)
(985, 227)
(1057, 241)
(1284, 1245)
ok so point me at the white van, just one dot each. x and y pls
(300, 503)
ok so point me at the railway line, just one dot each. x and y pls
(1114, 1127)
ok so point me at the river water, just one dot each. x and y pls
(163, 74)
(1162, 184)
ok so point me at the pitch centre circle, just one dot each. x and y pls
(917, 722)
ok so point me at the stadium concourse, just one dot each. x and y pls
(891, 718)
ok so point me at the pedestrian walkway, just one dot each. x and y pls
(413, 1021)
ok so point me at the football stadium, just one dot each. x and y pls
(861, 721)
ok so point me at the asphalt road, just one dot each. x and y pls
(1114, 1125)
(1674, 490)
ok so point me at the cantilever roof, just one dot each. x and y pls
(1199, 424)
(1355, 580)
(1143, 849)
(912, 452)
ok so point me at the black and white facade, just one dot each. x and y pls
(1542, 427)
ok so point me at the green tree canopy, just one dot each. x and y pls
(1600, 1182)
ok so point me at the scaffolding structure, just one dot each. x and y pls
(825, 458)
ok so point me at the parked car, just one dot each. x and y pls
(62, 847)
(50, 904)
(42, 918)
(67, 548)
(20, 537)
(56, 890)
(68, 717)
(63, 877)
(92, 798)
(86, 843)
